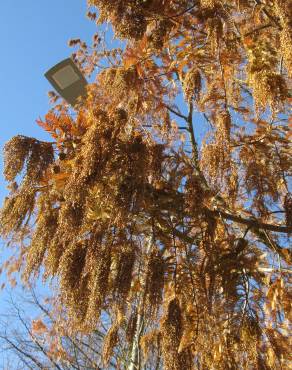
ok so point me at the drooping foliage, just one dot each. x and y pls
(167, 203)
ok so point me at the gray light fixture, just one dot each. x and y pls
(67, 80)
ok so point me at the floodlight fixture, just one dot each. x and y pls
(67, 80)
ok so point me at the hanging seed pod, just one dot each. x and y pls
(284, 13)
(110, 341)
(16, 209)
(171, 334)
(154, 278)
(192, 84)
(98, 265)
(124, 268)
(21, 150)
(43, 236)
(224, 125)
(71, 266)
(215, 32)
(71, 282)
(15, 153)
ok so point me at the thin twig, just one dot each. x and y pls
(176, 113)
(185, 11)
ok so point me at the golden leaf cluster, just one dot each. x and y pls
(181, 240)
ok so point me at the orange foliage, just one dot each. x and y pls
(182, 235)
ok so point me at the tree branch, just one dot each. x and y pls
(34, 339)
(192, 135)
(273, 245)
(267, 13)
(272, 270)
(253, 223)
(254, 30)
(185, 11)
(176, 113)
(18, 349)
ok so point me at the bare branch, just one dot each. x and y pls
(176, 113)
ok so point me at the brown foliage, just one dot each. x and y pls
(214, 204)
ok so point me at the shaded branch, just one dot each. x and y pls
(192, 135)
(262, 27)
(185, 11)
(253, 223)
(270, 16)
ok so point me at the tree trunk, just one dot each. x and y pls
(135, 353)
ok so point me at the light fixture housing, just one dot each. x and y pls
(67, 80)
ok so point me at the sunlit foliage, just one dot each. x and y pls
(181, 240)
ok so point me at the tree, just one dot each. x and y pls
(45, 342)
(181, 241)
